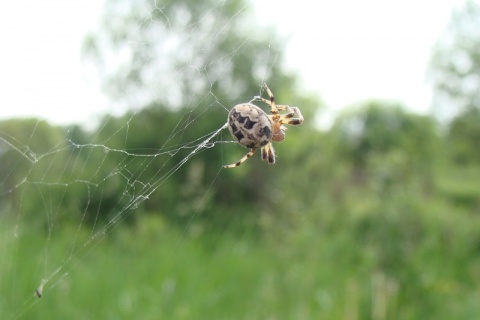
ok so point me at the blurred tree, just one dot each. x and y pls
(383, 141)
(455, 64)
(172, 53)
(464, 137)
(455, 71)
(182, 63)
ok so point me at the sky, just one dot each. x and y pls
(345, 50)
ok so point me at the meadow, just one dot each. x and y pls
(402, 259)
(133, 216)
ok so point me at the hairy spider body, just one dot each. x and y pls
(253, 128)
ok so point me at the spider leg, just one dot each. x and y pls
(272, 99)
(290, 118)
(258, 98)
(282, 107)
(264, 154)
(271, 102)
(239, 162)
(268, 154)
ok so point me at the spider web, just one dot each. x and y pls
(90, 170)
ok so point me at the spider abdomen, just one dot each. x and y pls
(250, 125)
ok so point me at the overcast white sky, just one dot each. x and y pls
(359, 50)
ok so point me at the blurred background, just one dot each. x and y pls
(114, 203)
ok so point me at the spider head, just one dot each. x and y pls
(278, 132)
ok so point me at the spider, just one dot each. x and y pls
(253, 128)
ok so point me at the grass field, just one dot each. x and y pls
(370, 267)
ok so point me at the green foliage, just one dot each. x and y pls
(464, 137)
(384, 128)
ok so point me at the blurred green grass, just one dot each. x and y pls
(360, 270)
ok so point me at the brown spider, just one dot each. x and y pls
(253, 128)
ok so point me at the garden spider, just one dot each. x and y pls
(253, 128)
